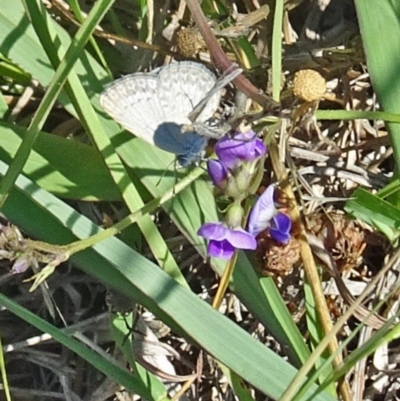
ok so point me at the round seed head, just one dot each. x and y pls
(189, 42)
(309, 85)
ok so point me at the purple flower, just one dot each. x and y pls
(217, 171)
(242, 147)
(223, 241)
(262, 212)
(280, 228)
(22, 264)
(265, 215)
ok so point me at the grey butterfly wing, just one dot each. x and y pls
(153, 106)
(182, 86)
(133, 102)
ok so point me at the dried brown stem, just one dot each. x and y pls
(222, 61)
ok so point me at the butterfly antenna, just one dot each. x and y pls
(221, 83)
(176, 166)
(165, 172)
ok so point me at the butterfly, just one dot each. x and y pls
(155, 106)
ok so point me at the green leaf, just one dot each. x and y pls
(153, 167)
(375, 211)
(67, 168)
(380, 29)
(13, 72)
(130, 381)
(115, 263)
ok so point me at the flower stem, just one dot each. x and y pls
(81, 245)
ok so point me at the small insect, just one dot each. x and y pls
(156, 106)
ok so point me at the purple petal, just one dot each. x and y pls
(231, 151)
(224, 241)
(244, 136)
(283, 238)
(220, 249)
(280, 231)
(213, 231)
(21, 264)
(254, 146)
(241, 239)
(262, 212)
(217, 171)
(259, 148)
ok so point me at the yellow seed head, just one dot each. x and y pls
(189, 42)
(309, 85)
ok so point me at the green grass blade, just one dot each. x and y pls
(6, 387)
(66, 168)
(146, 163)
(380, 30)
(74, 4)
(277, 50)
(113, 371)
(113, 262)
(90, 121)
(53, 91)
(357, 114)
(375, 211)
